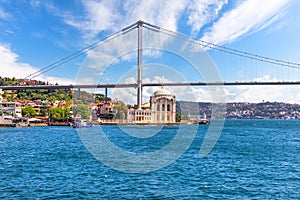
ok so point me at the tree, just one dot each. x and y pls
(51, 99)
(82, 110)
(43, 112)
(36, 96)
(10, 98)
(54, 114)
(180, 117)
(69, 102)
(100, 98)
(120, 109)
(22, 96)
(59, 114)
(28, 111)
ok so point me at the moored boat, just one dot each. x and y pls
(204, 120)
(82, 124)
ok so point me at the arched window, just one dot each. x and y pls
(157, 107)
(168, 107)
(163, 107)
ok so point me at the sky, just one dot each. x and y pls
(37, 33)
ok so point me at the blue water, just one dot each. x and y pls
(253, 159)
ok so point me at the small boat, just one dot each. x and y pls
(81, 124)
(204, 120)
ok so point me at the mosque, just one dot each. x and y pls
(162, 109)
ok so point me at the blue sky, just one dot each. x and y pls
(36, 33)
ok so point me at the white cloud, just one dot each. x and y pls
(115, 15)
(53, 80)
(35, 3)
(279, 93)
(203, 12)
(100, 16)
(162, 13)
(3, 14)
(249, 16)
(10, 66)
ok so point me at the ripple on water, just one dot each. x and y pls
(253, 159)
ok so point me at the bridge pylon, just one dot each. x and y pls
(140, 63)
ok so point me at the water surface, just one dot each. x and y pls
(253, 159)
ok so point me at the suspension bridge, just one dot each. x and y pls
(280, 67)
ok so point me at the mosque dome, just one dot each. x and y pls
(162, 91)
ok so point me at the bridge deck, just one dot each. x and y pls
(143, 85)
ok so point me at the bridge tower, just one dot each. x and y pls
(140, 63)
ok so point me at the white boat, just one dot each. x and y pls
(204, 120)
(82, 124)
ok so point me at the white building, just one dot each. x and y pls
(163, 107)
(12, 109)
(139, 115)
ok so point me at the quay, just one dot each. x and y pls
(114, 123)
(5, 125)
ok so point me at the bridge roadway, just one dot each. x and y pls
(134, 85)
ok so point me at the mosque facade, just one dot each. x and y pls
(162, 109)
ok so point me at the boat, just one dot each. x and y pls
(7, 122)
(81, 124)
(204, 120)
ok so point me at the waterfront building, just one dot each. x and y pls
(139, 115)
(163, 107)
(160, 109)
(105, 111)
(11, 114)
(13, 109)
